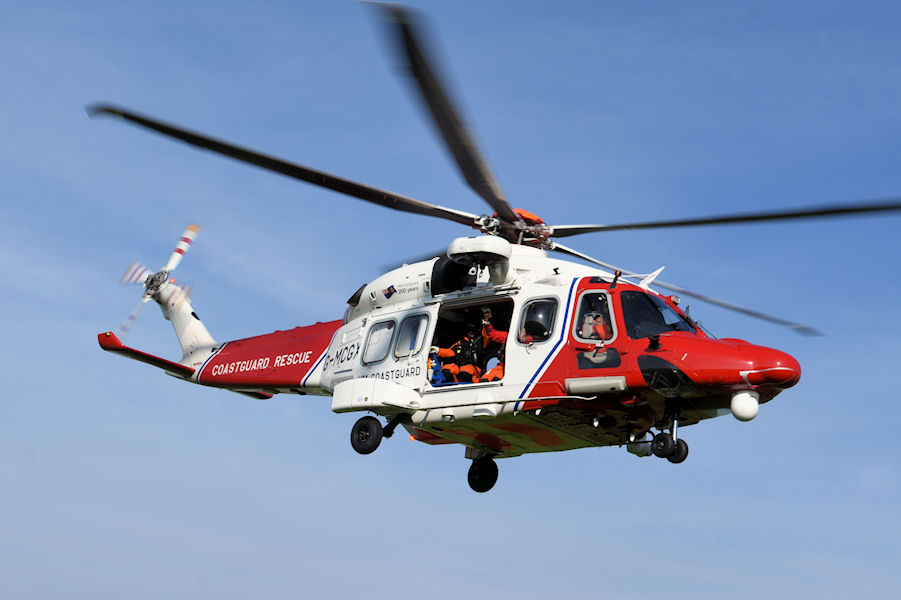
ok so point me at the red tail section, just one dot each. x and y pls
(275, 361)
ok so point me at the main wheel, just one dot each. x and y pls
(680, 453)
(663, 445)
(366, 435)
(482, 474)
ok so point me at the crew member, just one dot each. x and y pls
(497, 372)
(489, 333)
(461, 361)
(495, 341)
(596, 323)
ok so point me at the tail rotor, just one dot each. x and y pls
(155, 283)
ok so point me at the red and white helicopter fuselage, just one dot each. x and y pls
(564, 387)
(570, 356)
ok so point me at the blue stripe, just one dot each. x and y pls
(212, 356)
(557, 345)
(321, 358)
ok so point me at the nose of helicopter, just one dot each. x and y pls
(729, 362)
(768, 366)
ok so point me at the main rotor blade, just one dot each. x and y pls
(797, 327)
(271, 163)
(461, 144)
(872, 206)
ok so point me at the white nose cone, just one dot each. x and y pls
(745, 405)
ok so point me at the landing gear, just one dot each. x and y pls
(482, 474)
(663, 445)
(680, 453)
(366, 435)
(669, 445)
(394, 422)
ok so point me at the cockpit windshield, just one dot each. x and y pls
(646, 315)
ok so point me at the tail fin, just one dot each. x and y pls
(190, 331)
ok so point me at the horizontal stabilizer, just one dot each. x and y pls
(109, 342)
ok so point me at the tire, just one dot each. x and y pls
(366, 435)
(663, 445)
(482, 474)
(680, 453)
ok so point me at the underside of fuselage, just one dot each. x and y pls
(569, 423)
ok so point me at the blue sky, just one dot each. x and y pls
(118, 480)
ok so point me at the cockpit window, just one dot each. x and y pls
(594, 322)
(646, 315)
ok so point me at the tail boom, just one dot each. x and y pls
(260, 366)
(283, 361)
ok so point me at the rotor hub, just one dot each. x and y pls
(155, 282)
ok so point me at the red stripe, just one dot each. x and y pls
(180, 251)
(186, 240)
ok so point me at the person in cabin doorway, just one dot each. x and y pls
(460, 363)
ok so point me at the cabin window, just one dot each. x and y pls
(410, 336)
(593, 321)
(646, 315)
(378, 342)
(537, 322)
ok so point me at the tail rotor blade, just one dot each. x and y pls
(187, 238)
(136, 273)
(185, 293)
(131, 318)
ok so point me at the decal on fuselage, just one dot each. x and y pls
(392, 290)
(240, 366)
(261, 363)
(392, 374)
(342, 355)
(297, 358)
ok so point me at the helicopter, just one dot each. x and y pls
(563, 355)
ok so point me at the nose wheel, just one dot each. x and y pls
(666, 446)
(663, 445)
(680, 452)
